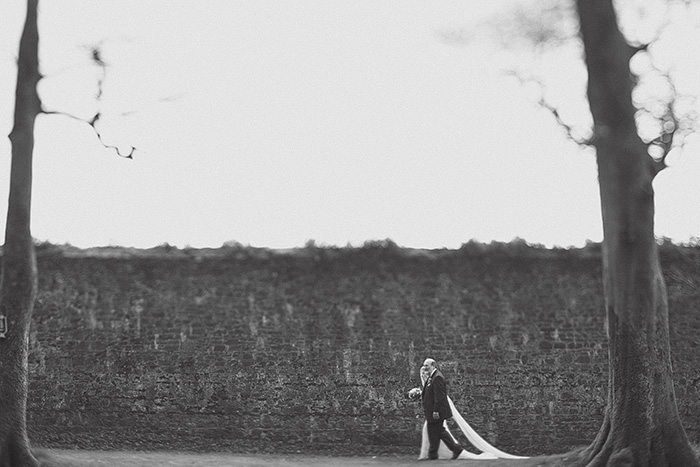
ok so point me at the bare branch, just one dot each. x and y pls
(93, 124)
(571, 132)
(675, 123)
(97, 60)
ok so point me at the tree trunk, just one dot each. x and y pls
(641, 425)
(18, 283)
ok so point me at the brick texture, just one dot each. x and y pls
(313, 350)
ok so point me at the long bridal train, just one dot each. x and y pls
(488, 451)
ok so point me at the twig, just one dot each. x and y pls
(97, 59)
(93, 123)
(571, 132)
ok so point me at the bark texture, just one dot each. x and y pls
(641, 425)
(18, 283)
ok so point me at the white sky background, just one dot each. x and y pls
(338, 121)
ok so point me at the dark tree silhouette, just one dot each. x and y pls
(641, 426)
(18, 278)
(18, 285)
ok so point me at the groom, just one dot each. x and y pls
(437, 410)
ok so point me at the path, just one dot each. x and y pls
(78, 458)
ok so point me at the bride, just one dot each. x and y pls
(488, 451)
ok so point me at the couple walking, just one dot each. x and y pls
(436, 408)
(437, 440)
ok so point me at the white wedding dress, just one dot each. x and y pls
(488, 451)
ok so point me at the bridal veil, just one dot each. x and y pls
(487, 451)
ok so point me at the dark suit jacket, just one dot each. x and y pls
(435, 397)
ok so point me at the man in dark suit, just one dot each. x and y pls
(437, 410)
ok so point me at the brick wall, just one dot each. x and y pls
(314, 350)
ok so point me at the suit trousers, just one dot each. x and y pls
(437, 433)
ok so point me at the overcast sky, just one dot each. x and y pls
(272, 123)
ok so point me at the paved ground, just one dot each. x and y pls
(75, 458)
(69, 458)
